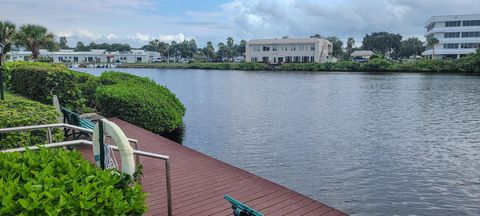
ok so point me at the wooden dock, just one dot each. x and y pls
(199, 182)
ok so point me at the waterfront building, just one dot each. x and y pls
(365, 54)
(93, 56)
(458, 35)
(277, 51)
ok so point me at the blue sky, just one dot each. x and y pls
(138, 21)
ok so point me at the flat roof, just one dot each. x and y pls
(459, 17)
(286, 41)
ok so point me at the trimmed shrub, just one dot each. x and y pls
(60, 182)
(140, 101)
(16, 111)
(39, 80)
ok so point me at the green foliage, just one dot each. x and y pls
(39, 81)
(16, 111)
(346, 66)
(60, 182)
(139, 101)
(382, 42)
(376, 64)
(302, 67)
(201, 65)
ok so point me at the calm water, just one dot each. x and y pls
(404, 144)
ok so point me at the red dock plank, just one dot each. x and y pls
(199, 182)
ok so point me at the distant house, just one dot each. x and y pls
(277, 51)
(364, 54)
(93, 56)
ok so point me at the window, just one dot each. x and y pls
(312, 48)
(265, 59)
(139, 59)
(266, 48)
(254, 59)
(75, 59)
(296, 59)
(470, 45)
(305, 58)
(288, 59)
(256, 48)
(275, 48)
(470, 34)
(453, 23)
(312, 58)
(471, 23)
(450, 46)
(451, 35)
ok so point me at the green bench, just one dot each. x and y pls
(240, 209)
(73, 118)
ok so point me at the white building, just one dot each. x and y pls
(93, 56)
(276, 51)
(458, 35)
(366, 54)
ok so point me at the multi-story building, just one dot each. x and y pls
(277, 51)
(458, 35)
(93, 56)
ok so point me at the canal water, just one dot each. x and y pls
(367, 144)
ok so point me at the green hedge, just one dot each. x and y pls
(16, 111)
(140, 101)
(200, 65)
(39, 80)
(59, 182)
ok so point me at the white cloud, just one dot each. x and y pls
(169, 38)
(137, 21)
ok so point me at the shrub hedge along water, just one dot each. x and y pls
(39, 81)
(140, 101)
(16, 111)
(60, 182)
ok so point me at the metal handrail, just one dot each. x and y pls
(87, 142)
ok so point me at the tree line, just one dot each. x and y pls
(383, 43)
(35, 37)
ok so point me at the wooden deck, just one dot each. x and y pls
(199, 182)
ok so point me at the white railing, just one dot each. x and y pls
(49, 144)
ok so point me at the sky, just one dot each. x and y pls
(138, 21)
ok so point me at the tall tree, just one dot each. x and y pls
(411, 46)
(62, 44)
(7, 32)
(34, 38)
(337, 45)
(230, 48)
(350, 45)
(81, 47)
(208, 51)
(222, 50)
(382, 42)
(431, 42)
(242, 47)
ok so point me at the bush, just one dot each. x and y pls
(376, 65)
(302, 67)
(346, 66)
(59, 182)
(140, 101)
(39, 81)
(16, 111)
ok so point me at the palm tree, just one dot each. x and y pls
(34, 38)
(432, 42)
(350, 44)
(7, 31)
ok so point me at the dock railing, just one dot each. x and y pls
(50, 144)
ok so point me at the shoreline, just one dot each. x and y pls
(466, 65)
